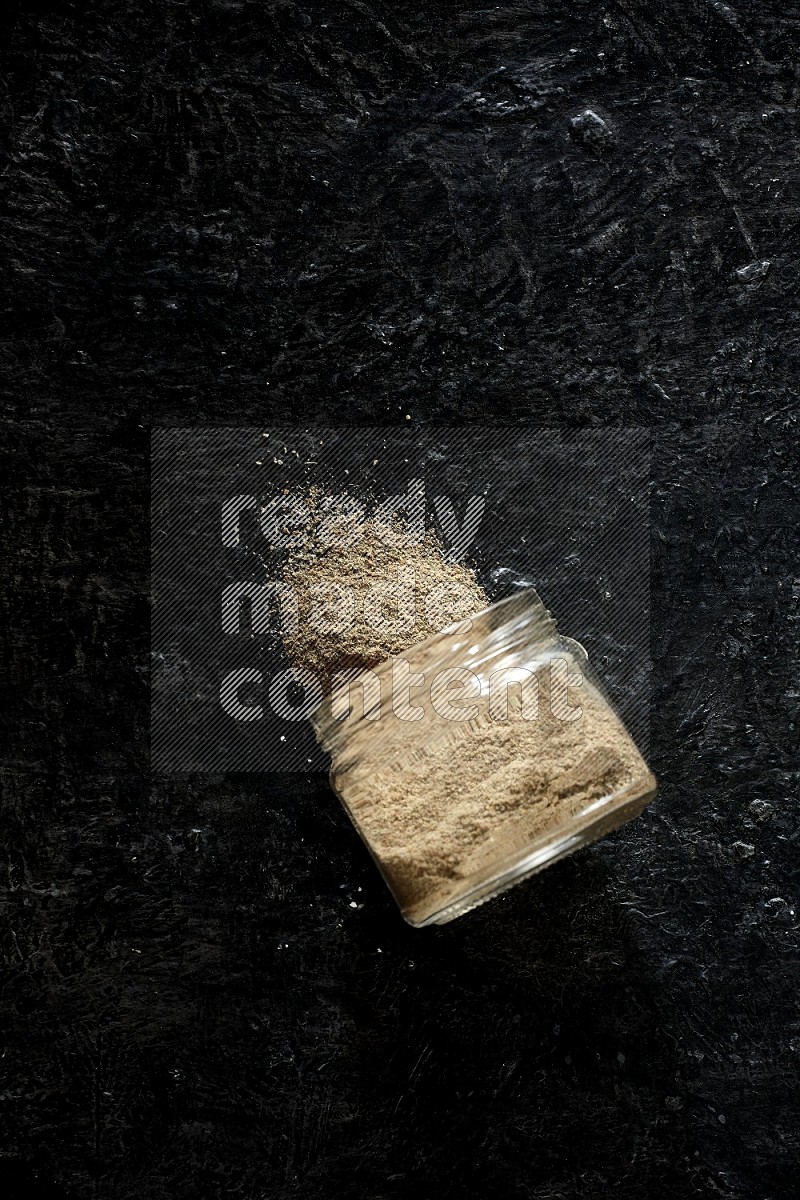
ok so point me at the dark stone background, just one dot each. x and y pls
(348, 211)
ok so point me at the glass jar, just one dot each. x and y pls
(479, 756)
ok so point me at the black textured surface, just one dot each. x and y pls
(561, 213)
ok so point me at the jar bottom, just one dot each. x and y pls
(581, 831)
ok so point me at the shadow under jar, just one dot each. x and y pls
(479, 756)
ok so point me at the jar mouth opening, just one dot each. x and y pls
(488, 640)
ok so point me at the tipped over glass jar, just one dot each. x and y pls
(478, 757)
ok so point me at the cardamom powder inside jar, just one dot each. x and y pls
(446, 807)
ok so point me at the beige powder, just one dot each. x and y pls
(444, 805)
(457, 804)
(367, 590)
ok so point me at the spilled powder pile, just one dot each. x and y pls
(444, 806)
(367, 589)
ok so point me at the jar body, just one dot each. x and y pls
(478, 757)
